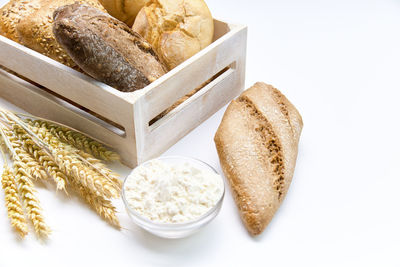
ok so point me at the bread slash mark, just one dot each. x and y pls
(270, 142)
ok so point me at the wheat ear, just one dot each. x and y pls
(26, 191)
(13, 203)
(67, 160)
(33, 167)
(42, 157)
(102, 168)
(101, 205)
(103, 179)
(31, 203)
(78, 140)
(75, 169)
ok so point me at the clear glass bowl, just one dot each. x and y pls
(175, 230)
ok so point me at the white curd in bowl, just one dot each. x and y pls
(172, 192)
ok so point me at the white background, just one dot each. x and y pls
(339, 63)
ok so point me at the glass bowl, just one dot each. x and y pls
(175, 230)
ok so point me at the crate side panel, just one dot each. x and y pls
(189, 117)
(196, 109)
(191, 74)
(75, 86)
(39, 103)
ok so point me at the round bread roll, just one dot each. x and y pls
(177, 29)
(124, 10)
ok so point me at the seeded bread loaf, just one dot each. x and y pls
(257, 144)
(106, 48)
(11, 14)
(34, 27)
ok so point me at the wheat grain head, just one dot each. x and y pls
(13, 203)
(78, 140)
(31, 202)
(42, 158)
(33, 167)
(101, 205)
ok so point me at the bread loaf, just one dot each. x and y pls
(177, 29)
(106, 48)
(33, 25)
(124, 10)
(257, 144)
(11, 14)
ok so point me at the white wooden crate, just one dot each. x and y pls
(120, 119)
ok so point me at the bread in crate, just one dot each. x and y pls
(106, 48)
(122, 120)
(177, 29)
(29, 22)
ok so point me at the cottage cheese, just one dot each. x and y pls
(172, 193)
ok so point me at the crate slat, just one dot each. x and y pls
(23, 94)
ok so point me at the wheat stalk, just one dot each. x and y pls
(71, 163)
(42, 157)
(26, 191)
(101, 205)
(77, 140)
(33, 167)
(100, 177)
(31, 203)
(13, 202)
(102, 168)
(86, 174)
(68, 161)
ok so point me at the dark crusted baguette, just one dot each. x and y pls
(106, 48)
(257, 145)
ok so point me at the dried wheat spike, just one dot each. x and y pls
(31, 203)
(78, 140)
(102, 206)
(13, 203)
(36, 170)
(42, 157)
(68, 162)
(33, 167)
(102, 168)
(74, 168)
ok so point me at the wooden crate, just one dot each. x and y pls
(122, 120)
